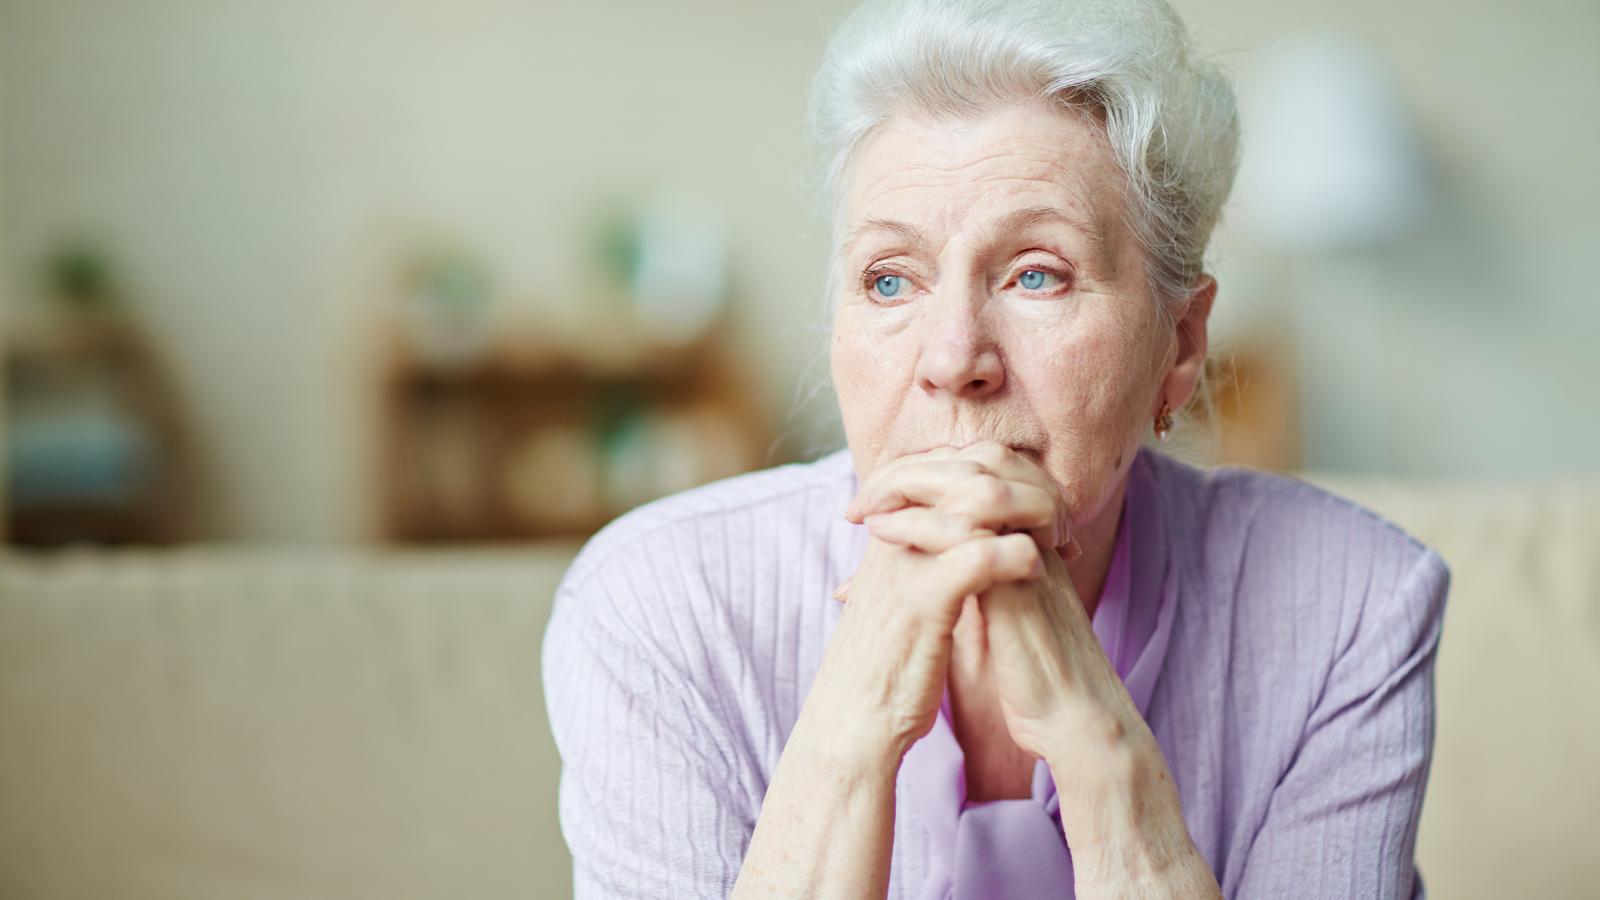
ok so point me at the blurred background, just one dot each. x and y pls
(331, 329)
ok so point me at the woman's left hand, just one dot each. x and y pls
(1057, 690)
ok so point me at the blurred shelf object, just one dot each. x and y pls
(526, 443)
(1255, 404)
(94, 448)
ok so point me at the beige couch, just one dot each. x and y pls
(242, 723)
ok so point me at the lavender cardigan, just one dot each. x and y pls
(1294, 704)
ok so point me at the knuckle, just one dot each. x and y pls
(962, 525)
(991, 490)
(1044, 505)
(979, 555)
(1021, 548)
(1018, 542)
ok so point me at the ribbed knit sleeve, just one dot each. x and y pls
(1342, 821)
(682, 643)
(657, 796)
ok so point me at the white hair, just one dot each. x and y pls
(1170, 119)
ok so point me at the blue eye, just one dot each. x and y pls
(1033, 279)
(889, 285)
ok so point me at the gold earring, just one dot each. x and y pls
(1164, 421)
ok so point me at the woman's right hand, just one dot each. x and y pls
(883, 676)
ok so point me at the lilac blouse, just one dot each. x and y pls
(1279, 641)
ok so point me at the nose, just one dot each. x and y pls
(960, 355)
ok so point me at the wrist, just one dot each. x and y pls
(843, 731)
(1097, 741)
(859, 754)
(1120, 811)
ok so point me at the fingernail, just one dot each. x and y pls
(840, 591)
(1074, 550)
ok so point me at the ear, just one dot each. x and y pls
(1178, 387)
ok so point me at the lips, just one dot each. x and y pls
(1025, 450)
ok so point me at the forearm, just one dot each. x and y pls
(1123, 820)
(826, 827)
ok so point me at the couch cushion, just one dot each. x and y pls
(230, 723)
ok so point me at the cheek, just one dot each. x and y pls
(871, 352)
(1083, 384)
(864, 376)
(850, 367)
(862, 400)
(1087, 388)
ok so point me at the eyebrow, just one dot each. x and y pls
(1022, 218)
(910, 233)
(1011, 221)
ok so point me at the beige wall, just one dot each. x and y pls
(259, 167)
(1472, 348)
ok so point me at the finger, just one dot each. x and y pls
(925, 529)
(973, 566)
(910, 480)
(886, 470)
(907, 482)
(1015, 465)
(841, 592)
(999, 505)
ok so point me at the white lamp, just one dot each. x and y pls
(1329, 159)
(1331, 173)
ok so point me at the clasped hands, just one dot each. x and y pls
(981, 524)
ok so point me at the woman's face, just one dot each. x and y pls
(987, 288)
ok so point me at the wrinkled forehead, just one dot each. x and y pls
(938, 179)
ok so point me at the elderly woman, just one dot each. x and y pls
(999, 647)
